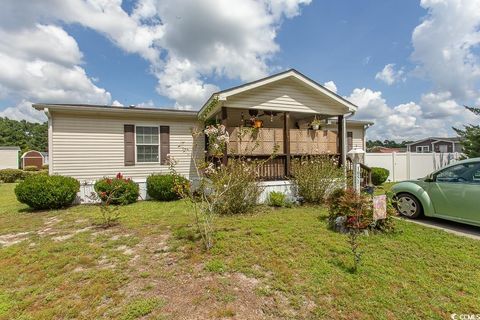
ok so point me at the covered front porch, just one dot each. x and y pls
(287, 115)
(259, 134)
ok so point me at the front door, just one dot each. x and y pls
(443, 148)
(455, 192)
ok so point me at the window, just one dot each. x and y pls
(422, 149)
(349, 140)
(147, 144)
(462, 173)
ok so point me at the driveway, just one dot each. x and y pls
(448, 226)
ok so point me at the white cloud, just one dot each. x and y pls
(185, 42)
(389, 75)
(439, 105)
(24, 111)
(208, 38)
(42, 64)
(444, 46)
(401, 122)
(42, 42)
(371, 104)
(330, 85)
(409, 121)
(446, 52)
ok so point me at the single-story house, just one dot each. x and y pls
(89, 142)
(9, 157)
(435, 144)
(34, 158)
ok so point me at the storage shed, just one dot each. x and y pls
(9, 157)
(33, 158)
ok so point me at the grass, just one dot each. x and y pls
(280, 263)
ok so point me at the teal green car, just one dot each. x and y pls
(451, 193)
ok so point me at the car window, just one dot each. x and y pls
(476, 175)
(462, 173)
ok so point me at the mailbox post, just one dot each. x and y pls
(355, 154)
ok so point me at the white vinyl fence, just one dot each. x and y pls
(408, 165)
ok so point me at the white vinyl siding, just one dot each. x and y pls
(91, 147)
(9, 159)
(286, 95)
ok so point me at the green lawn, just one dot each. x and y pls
(270, 265)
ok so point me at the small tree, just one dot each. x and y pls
(470, 136)
(220, 189)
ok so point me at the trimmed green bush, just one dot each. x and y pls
(11, 175)
(118, 190)
(30, 168)
(164, 187)
(42, 192)
(45, 167)
(379, 175)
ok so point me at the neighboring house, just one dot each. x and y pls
(9, 157)
(435, 144)
(89, 142)
(34, 158)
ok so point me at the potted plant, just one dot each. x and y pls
(316, 123)
(258, 124)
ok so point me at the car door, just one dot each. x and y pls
(455, 192)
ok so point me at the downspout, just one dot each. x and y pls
(50, 141)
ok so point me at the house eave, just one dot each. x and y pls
(115, 110)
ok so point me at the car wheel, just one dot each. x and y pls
(408, 206)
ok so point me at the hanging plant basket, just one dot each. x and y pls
(258, 124)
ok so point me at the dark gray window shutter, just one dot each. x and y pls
(129, 144)
(164, 144)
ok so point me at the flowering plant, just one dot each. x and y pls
(218, 138)
(118, 190)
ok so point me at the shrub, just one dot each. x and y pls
(45, 167)
(30, 168)
(118, 190)
(316, 177)
(11, 175)
(278, 199)
(42, 192)
(379, 175)
(164, 187)
(233, 188)
(356, 211)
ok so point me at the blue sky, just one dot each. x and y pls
(405, 63)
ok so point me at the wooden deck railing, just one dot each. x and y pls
(365, 172)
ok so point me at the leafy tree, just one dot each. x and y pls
(470, 136)
(386, 143)
(26, 135)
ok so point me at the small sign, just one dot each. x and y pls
(379, 207)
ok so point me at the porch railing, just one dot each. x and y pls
(275, 168)
(365, 173)
(265, 141)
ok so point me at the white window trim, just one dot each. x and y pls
(422, 148)
(147, 144)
